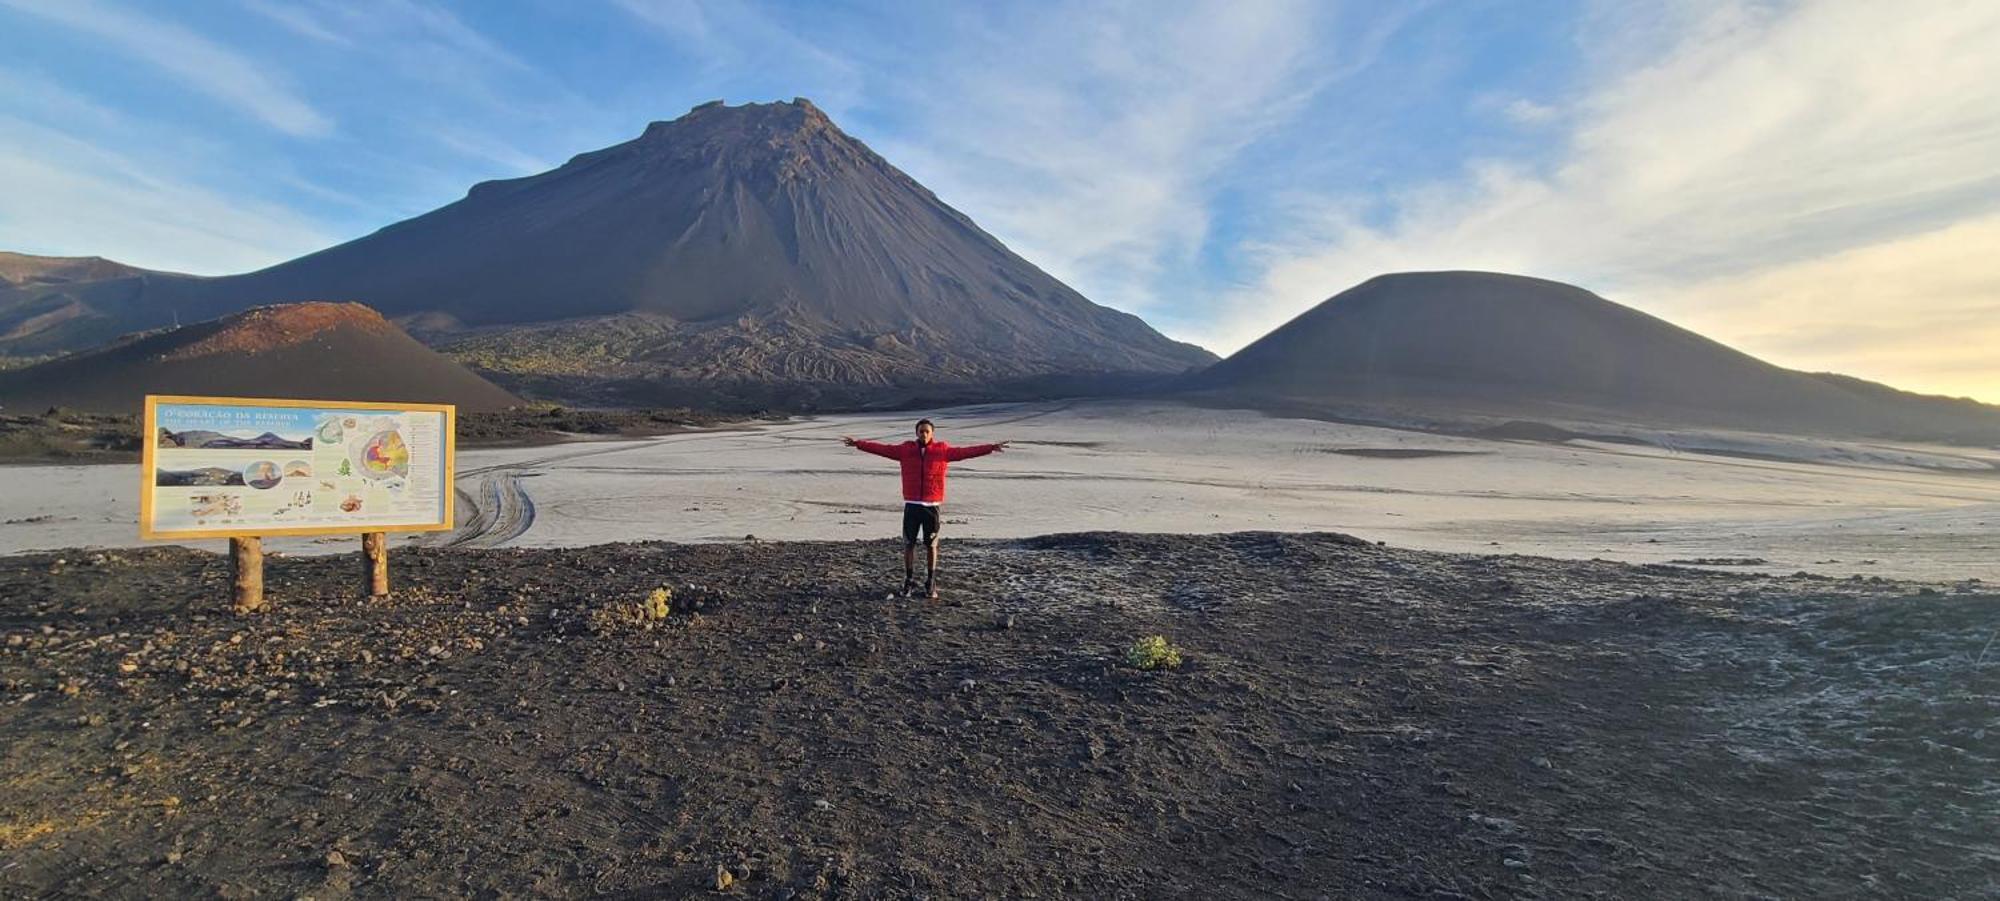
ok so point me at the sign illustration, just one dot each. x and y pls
(218, 467)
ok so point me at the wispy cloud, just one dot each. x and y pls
(731, 41)
(197, 62)
(1095, 154)
(297, 20)
(1098, 143)
(69, 195)
(1758, 138)
(1523, 111)
(48, 101)
(489, 149)
(445, 29)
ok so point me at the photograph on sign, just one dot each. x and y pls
(216, 467)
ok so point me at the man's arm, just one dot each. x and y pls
(978, 450)
(874, 447)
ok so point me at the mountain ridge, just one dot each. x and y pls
(761, 232)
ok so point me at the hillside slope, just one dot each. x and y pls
(330, 351)
(1513, 344)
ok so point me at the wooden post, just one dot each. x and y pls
(246, 556)
(375, 564)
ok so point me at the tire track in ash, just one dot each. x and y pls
(506, 514)
(502, 510)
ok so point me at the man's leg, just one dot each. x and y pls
(932, 524)
(910, 523)
(930, 573)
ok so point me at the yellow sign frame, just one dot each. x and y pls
(150, 440)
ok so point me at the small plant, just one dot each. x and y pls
(345, 469)
(659, 603)
(1153, 652)
(643, 613)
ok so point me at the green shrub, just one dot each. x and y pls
(1153, 652)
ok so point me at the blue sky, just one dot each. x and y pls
(1812, 182)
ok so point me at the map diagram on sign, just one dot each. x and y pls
(383, 455)
(248, 467)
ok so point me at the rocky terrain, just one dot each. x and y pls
(68, 436)
(1350, 720)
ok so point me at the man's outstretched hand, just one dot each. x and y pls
(1001, 446)
(847, 440)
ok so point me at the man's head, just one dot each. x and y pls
(924, 431)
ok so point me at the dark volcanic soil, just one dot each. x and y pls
(1351, 721)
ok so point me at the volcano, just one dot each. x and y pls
(734, 246)
(1510, 344)
(329, 351)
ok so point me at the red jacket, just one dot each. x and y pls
(923, 467)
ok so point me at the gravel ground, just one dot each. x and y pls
(1351, 720)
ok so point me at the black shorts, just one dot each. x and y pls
(920, 517)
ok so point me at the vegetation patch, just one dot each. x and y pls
(1153, 652)
(644, 613)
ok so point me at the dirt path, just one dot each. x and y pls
(1352, 721)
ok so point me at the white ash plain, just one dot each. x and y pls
(1747, 502)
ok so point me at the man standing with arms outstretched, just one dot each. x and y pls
(924, 463)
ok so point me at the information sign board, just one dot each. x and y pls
(216, 467)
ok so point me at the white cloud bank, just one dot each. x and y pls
(1804, 181)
